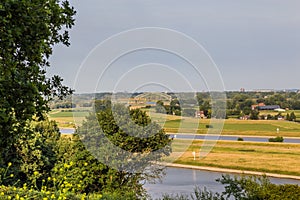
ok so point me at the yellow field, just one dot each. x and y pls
(262, 157)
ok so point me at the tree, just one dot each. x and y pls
(254, 114)
(36, 155)
(29, 30)
(206, 108)
(127, 143)
(175, 107)
(292, 116)
(159, 108)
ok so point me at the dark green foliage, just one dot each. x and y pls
(29, 29)
(206, 108)
(288, 117)
(175, 107)
(276, 139)
(257, 188)
(198, 194)
(159, 108)
(121, 146)
(292, 117)
(35, 155)
(240, 139)
(79, 168)
(254, 114)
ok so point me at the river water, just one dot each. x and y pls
(183, 181)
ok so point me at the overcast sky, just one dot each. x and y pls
(255, 44)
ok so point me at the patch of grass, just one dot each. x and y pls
(65, 117)
(247, 150)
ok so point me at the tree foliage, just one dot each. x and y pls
(243, 188)
(36, 154)
(28, 32)
(125, 145)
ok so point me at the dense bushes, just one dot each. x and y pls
(44, 164)
(33, 156)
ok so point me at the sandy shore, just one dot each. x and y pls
(223, 170)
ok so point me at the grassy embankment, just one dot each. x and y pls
(276, 158)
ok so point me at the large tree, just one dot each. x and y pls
(28, 32)
(126, 146)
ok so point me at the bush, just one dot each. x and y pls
(33, 156)
(276, 139)
(240, 139)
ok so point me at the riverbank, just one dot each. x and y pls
(232, 171)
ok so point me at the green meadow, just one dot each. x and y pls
(175, 124)
(67, 118)
(231, 126)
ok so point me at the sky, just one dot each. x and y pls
(251, 44)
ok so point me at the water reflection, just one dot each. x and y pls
(183, 181)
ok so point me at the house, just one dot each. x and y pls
(268, 107)
(200, 114)
(253, 107)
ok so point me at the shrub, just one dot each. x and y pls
(33, 156)
(240, 139)
(276, 139)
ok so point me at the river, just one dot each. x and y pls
(183, 181)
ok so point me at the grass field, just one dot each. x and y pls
(231, 126)
(67, 119)
(192, 125)
(262, 157)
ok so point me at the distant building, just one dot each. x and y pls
(253, 107)
(269, 107)
(200, 114)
